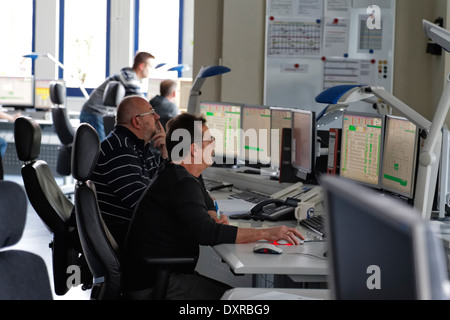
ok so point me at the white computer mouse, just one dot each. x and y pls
(267, 248)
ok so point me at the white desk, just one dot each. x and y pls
(275, 294)
(303, 263)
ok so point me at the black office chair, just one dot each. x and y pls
(23, 275)
(100, 249)
(65, 133)
(114, 93)
(49, 202)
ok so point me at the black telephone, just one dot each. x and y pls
(275, 209)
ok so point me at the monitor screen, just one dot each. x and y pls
(42, 93)
(224, 122)
(401, 141)
(279, 118)
(17, 92)
(256, 135)
(361, 147)
(379, 249)
(303, 142)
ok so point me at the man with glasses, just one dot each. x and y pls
(126, 163)
(93, 110)
(171, 219)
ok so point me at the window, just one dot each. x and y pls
(159, 32)
(85, 34)
(16, 21)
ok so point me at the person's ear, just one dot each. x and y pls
(135, 122)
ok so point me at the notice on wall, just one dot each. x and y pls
(294, 38)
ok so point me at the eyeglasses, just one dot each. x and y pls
(152, 111)
(212, 139)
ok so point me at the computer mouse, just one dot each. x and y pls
(267, 248)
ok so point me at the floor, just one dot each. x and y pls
(36, 239)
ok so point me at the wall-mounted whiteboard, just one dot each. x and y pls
(311, 45)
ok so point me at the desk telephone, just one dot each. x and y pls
(283, 204)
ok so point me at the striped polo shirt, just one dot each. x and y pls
(123, 171)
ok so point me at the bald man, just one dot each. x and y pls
(127, 164)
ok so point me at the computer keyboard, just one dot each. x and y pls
(212, 185)
(315, 224)
(250, 196)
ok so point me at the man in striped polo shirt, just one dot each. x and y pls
(126, 163)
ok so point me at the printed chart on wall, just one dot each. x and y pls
(312, 45)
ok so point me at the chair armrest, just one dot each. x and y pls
(163, 273)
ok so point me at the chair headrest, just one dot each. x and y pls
(85, 152)
(57, 93)
(114, 93)
(62, 125)
(27, 137)
(13, 204)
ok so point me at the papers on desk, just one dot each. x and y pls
(231, 207)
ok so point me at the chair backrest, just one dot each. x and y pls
(23, 275)
(47, 199)
(113, 94)
(99, 247)
(63, 128)
(57, 93)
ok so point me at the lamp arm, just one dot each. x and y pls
(401, 107)
(52, 58)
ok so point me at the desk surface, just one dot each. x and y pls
(275, 294)
(304, 260)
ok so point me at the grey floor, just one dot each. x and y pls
(36, 239)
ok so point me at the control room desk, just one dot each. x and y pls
(302, 263)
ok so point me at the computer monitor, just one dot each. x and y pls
(255, 137)
(361, 148)
(444, 175)
(303, 142)
(279, 118)
(401, 140)
(379, 248)
(224, 121)
(17, 92)
(42, 99)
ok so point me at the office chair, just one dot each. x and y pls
(49, 202)
(65, 133)
(100, 249)
(114, 93)
(23, 275)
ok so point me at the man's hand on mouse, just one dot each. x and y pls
(291, 235)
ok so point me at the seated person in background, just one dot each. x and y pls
(93, 110)
(171, 219)
(10, 118)
(164, 103)
(126, 164)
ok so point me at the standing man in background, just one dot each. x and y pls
(164, 104)
(94, 110)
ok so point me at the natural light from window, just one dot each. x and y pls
(85, 42)
(16, 23)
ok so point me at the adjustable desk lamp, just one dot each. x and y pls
(430, 153)
(204, 73)
(35, 55)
